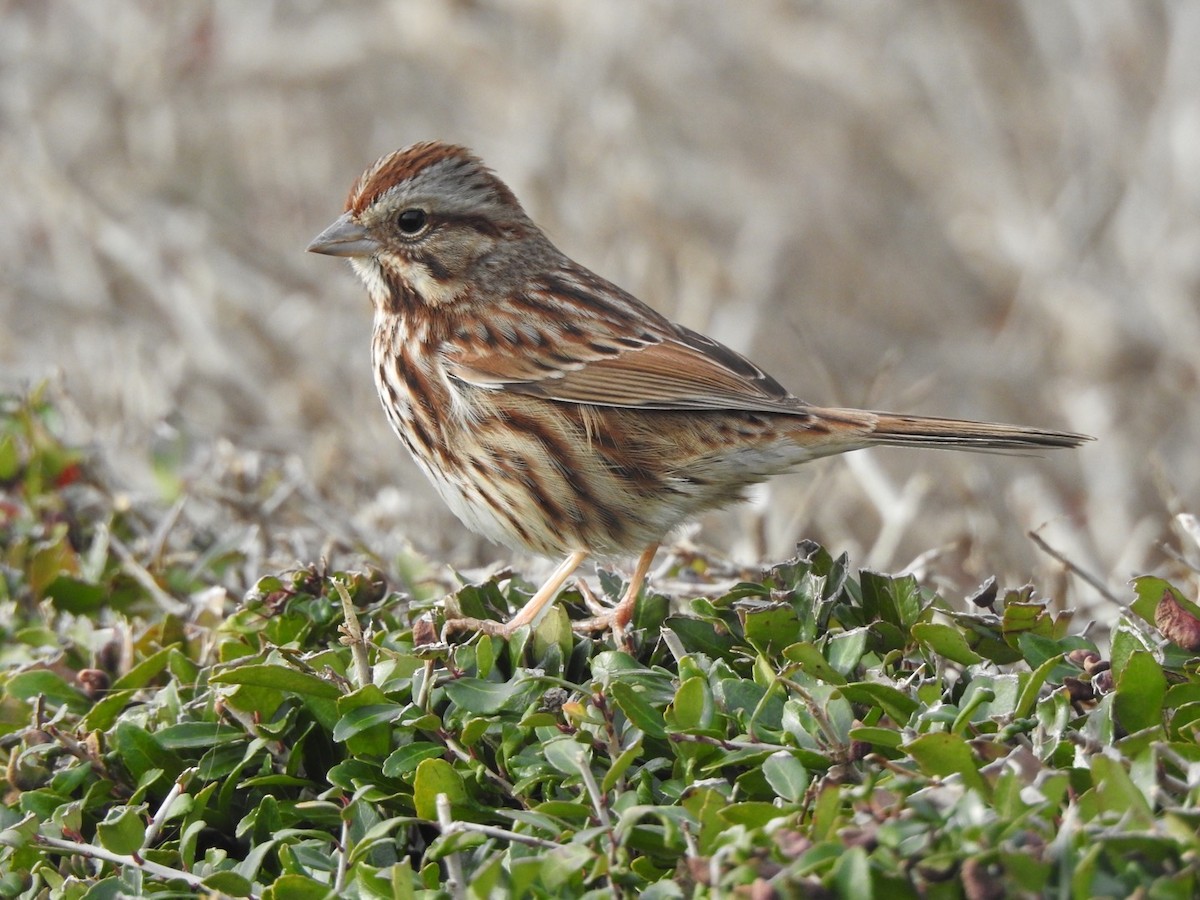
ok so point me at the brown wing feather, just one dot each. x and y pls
(682, 370)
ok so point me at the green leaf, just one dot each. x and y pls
(946, 641)
(52, 558)
(566, 754)
(786, 775)
(485, 656)
(1116, 792)
(639, 712)
(1182, 694)
(288, 887)
(474, 729)
(50, 685)
(563, 867)
(621, 765)
(123, 830)
(74, 595)
(1020, 618)
(897, 704)
(230, 883)
(751, 814)
(1031, 686)
(140, 752)
(895, 600)
(845, 650)
(693, 707)
(198, 735)
(280, 678)
(10, 458)
(1140, 691)
(702, 636)
(141, 674)
(565, 809)
(657, 685)
(887, 738)
(704, 804)
(489, 697)
(943, 754)
(769, 627)
(852, 875)
(363, 718)
(1150, 591)
(812, 662)
(436, 776)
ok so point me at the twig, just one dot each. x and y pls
(600, 804)
(502, 834)
(422, 701)
(458, 750)
(817, 711)
(728, 745)
(158, 540)
(164, 808)
(142, 576)
(598, 800)
(150, 868)
(456, 882)
(674, 644)
(339, 881)
(1072, 567)
(354, 636)
(76, 748)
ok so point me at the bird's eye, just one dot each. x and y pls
(412, 220)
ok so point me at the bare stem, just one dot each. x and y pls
(502, 834)
(164, 808)
(157, 870)
(339, 883)
(458, 750)
(354, 636)
(728, 745)
(142, 576)
(456, 883)
(600, 804)
(1072, 567)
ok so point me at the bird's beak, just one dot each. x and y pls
(344, 237)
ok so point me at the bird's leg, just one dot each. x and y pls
(622, 615)
(530, 611)
(619, 617)
(597, 607)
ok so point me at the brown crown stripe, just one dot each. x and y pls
(403, 165)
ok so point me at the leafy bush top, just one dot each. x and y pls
(819, 732)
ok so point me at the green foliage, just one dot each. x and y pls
(821, 732)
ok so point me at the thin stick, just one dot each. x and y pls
(1071, 567)
(456, 882)
(600, 804)
(142, 576)
(164, 808)
(354, 636)
(150, 868)
(503, 834)
(339, 881)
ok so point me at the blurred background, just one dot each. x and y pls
(969, 208)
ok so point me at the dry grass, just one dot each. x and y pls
(966, 208)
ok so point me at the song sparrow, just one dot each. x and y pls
(553, 411)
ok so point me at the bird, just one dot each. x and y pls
(553, 411)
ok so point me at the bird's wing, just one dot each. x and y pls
(667, 367)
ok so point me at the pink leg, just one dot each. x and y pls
(623, 614)
(530, 611)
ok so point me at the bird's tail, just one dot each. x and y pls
(852, 427)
